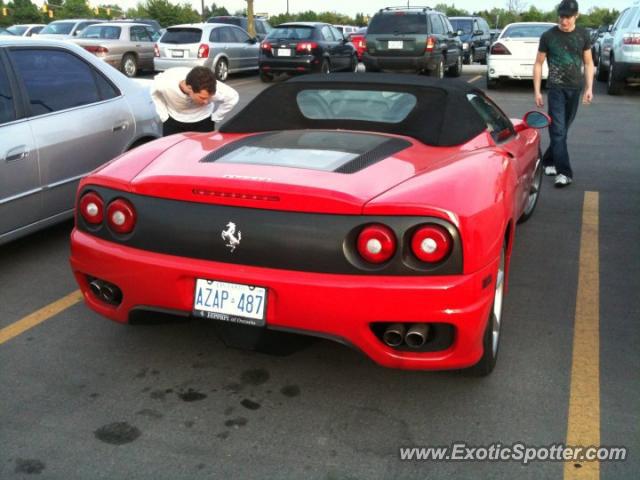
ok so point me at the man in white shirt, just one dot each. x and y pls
(191, 100)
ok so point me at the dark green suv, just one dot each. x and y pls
(417, 39)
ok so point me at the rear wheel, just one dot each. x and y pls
(438, 72)
(266, 77)
(129, 65)
(222, 69)
(456, 69)
(354, 63)
(492, 83)
(325, 67)
(534, 192)
(601, 73)
(615, 85)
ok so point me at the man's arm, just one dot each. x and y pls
(227, 98)
(158, 99)
(588, 76)
(537, 78)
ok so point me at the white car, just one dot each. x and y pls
(514, 52)
(26, 29)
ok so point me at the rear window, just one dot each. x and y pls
(466, 25)
(525, 31)
(292, 33)
(367, 105)
(399, 22)
(181, 35)
(58, 28)
(228, 20)
(98, 31)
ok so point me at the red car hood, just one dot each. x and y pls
(178, 173)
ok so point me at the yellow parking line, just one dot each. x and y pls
(30, 321)
(477, 77)
(584, 402)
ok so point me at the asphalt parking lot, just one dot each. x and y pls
(83, 397)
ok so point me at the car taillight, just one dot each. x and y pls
(631, 39)
(306, 46)
(121, 216)
(431, 243)
(96, 50)
(431, 44)
(203, 51)
(266, 46)
(376, 243)
(92, 208)
(156, 50)
(499, 49)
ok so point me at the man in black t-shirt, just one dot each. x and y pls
(566, 48)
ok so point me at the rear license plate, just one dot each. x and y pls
(284, 52)
(177, 53)
(395, 44)
(230, 302)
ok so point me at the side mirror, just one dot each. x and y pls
(536, 119)
(252, 41)
(478, 32)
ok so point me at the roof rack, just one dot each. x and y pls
(406, 7)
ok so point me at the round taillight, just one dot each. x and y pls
(376, 243)
(121, 216)
(431, 243)
(92, 208)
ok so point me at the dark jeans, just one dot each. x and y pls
(563, 106)
(172, 126)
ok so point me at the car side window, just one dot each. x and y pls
(140, 34)
(336, 34)
(326, 33)
(7, 110)
(82, 26)
(619, 20)
(57, 80)
(627, 20)
(226, 35)
(259, 27)
(214, 36)
(498, 124)
(436, 25)
(241, 35)
(448, 28)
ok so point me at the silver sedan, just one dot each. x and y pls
(63, 113)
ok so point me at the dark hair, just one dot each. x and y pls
(201, 78)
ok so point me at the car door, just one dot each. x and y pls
(140, 37)
(454, 45)
(78, 118)
(20, 199)
(331, 47)
(248, 49)
(344, 48)
(231, 47)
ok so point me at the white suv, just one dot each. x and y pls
(620, 52)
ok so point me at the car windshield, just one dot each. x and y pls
(398, 22)
(58, 28)
(367, 105)
(466, 25)
(101, 31)
(291, 33)
(525, 31)
(182, 35)
(16, 30)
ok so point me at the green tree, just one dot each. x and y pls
(451, 11)
(23, 11)
(74, 9)
(166, 13)
(532, 15)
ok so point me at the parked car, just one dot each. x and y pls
(514, 52)
(261, 25)
(476, 37)
(346, 30)
(223, 48)
(69, 28)
(304, 47)
(129, 47)
(357, 38)
(27, 29)
(417, 39)
(379, 210)
(4, 31)
(495, 32)
(619, 58)
(63, 113)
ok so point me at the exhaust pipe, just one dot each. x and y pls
(416, 336)
(394, 335)
(96, 287)
(110, 293)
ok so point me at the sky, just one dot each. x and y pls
(368, 7)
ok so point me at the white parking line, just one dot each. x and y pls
(477, 77)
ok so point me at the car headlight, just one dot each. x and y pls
(465, 46)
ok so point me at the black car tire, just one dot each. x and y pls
(129, 65)
(354, 64)
(615, 85)
(491, 345)
(492, 83)
(222, 69)
(483, 60)
(325, 67)
(266, 77)
(467, 59)
(601, 73)
(472, 56)
(438, 72)
(456, 70)
(534, 191)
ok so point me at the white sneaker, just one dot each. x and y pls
(550, 171)
(562, 180)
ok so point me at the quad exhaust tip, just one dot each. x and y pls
(398, 335)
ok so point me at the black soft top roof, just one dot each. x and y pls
(443, 116)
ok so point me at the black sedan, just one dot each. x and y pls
(305, 47)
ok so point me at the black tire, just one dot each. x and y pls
(472, 56)
(325, 67)
(354, 64)
(483, 60)
(491, 337)
(221, 69)
(438, 72)
(266, 77)
(456, 70)
(534, 191)
(615, 85)
(467, 60)
(492, 83)
(129, 65)
(601, 72)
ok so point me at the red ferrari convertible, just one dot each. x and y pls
(376, 210)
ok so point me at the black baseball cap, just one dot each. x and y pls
(567, 8)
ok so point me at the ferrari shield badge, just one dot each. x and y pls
(231, 236)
